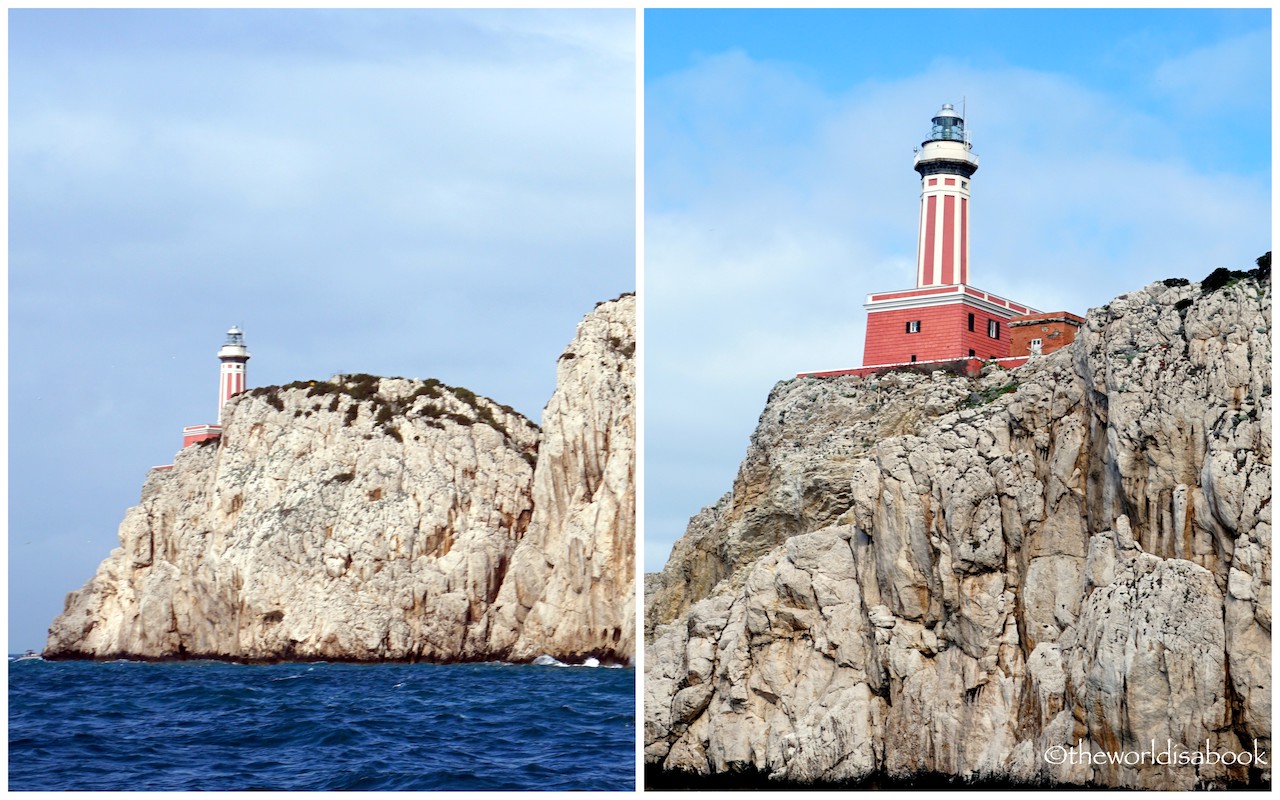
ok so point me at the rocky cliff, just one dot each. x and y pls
(921, 575)
(369, 518)
(571, 586)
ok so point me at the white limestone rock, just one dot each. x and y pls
(930, 574)
(571, 586)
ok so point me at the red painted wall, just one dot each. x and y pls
(944, 333)
(1052, 335)
(200, 433)
(948, 237)
(931, 202)
(187, 441)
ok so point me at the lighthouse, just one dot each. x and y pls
(233, 356)
(232, 377)
(944, 317)
(945, 321)
(945, 162)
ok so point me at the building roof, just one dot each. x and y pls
(1041, 317)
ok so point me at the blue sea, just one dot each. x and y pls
(217, 726)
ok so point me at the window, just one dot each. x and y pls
(972, 353)
(913, 359)
(993, 328)
(913, 326)
(964, 184)
(1035, 342)
(970, 322)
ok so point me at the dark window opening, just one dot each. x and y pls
(913, 359)
(971, 350)
(970, 325)
(913, 326)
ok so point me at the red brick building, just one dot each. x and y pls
(938, 324)
(192, 434)
(1041, 334)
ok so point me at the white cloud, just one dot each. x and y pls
(1223, 76)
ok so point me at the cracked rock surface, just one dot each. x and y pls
(921, 574)
(369, 518)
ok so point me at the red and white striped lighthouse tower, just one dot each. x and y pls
(945, 163)
(232, 377)
(233, 356)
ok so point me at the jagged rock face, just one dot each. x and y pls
(1077, 551)
(358, 519)
(571, 588)
(798, 475)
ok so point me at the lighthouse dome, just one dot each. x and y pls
(947, 125)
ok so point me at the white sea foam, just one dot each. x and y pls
(545, 660)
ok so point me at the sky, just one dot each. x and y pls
(415, 193)
(1116, 148)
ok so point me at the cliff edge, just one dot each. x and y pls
(367, 518)
(926, 575)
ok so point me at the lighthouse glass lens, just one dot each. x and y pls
(946, 128)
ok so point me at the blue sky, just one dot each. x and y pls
(419, 193)
(1117, 148)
